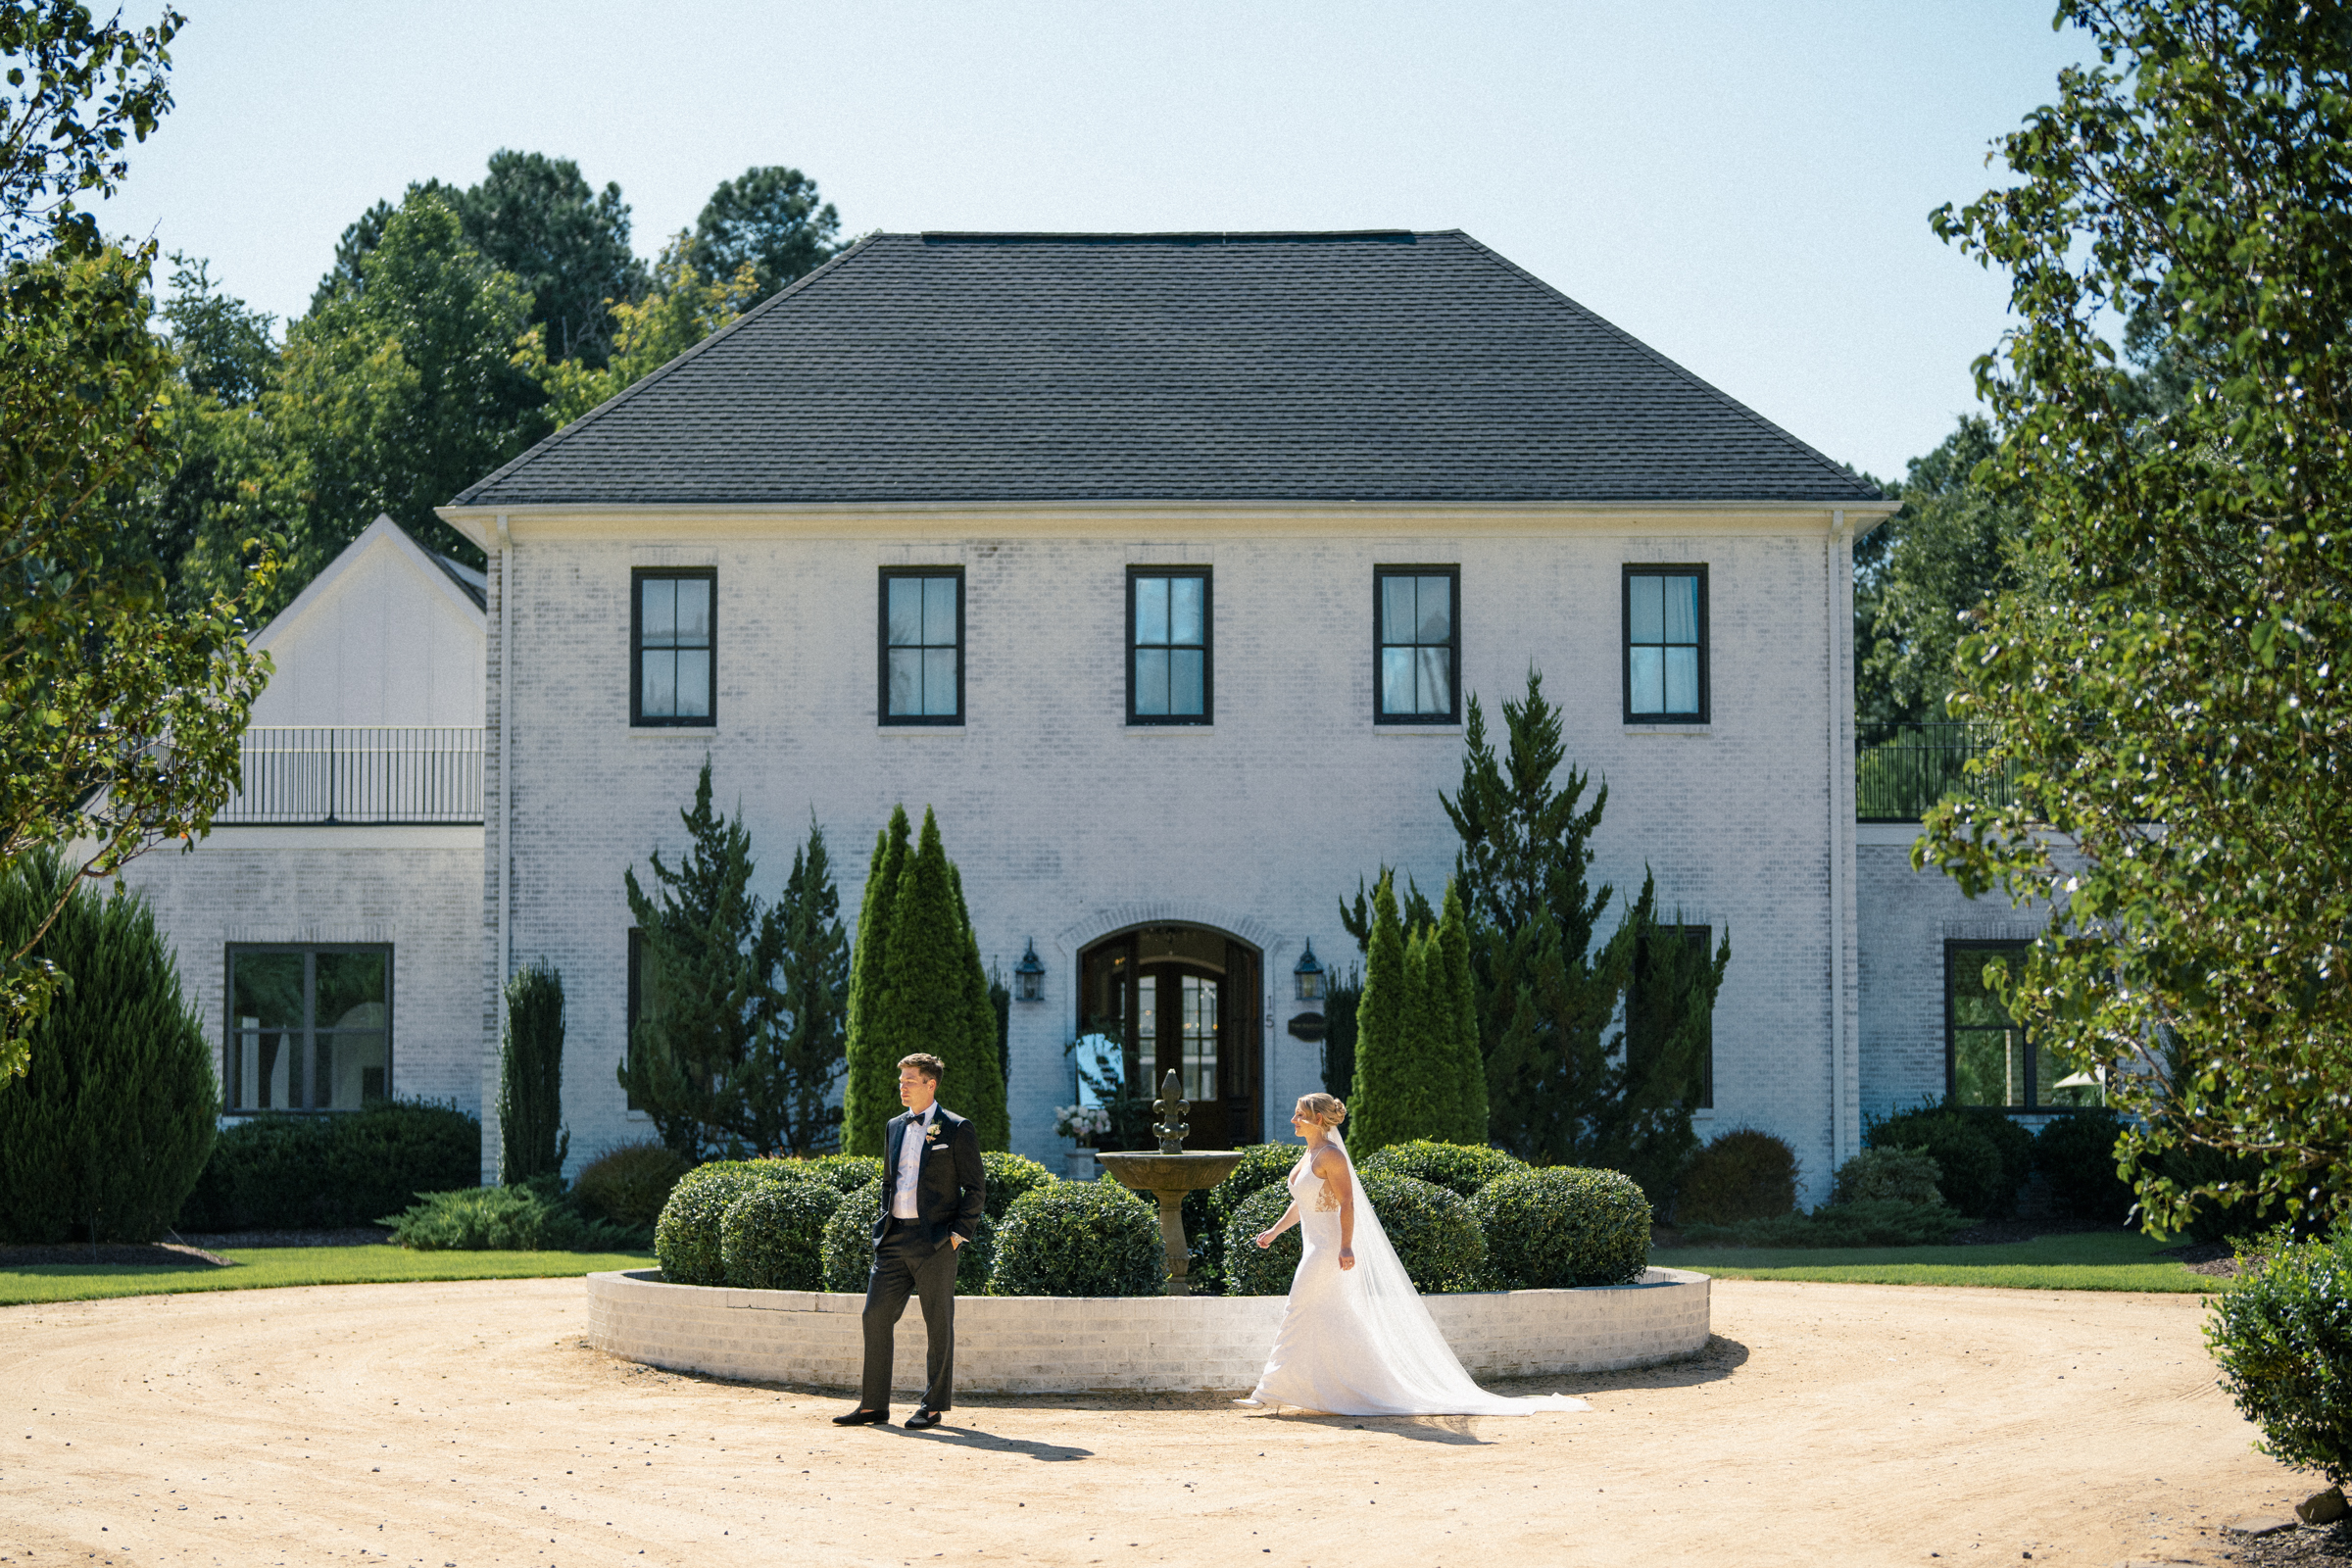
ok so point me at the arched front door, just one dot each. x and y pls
(1182, 998)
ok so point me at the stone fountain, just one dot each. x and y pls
(1170, 1174)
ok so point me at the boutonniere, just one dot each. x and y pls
(931, 1132)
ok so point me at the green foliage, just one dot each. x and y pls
(786, 1091)
(771, 1236)
(501, 1219)
(1008, 1177)
(1079, 1238)
(1872, 1222)
(2167, 691)
(80, 88)
(1459, 1168)
(1263, 1165)
(767, 221)
(1247, 1270)
(1889, 1175)
(1340, 996)
(628, 1185)
(225, 350)
(2076, 1156)
(687, 1238)
(1973, 1179)
(1453, 1004)
(849, 1173)
(104, 1136)
(848, 1240)
(976, 1259)
(1388, 1103)
(2220, 1206)
(870, 1097)
(934, 995)
(2282, 1335)
(1559, 1226)
(1744, 1174)
(531, 1138)
(293, 1173)
(1668, 1049)
(1436, 1233)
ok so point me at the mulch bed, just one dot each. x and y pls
(189, 1251)
(2303, 1546)
(2216, 1260)
(349, 1236)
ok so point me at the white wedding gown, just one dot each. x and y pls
(1361, 1341)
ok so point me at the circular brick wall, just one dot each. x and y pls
(1069, 1345)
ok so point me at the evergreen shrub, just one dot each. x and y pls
(1870, 1222)
(1008, 1177)
(283, 1171)
(519, 1218)
(1079, 1238)
(1560, 1226)
(104, 1136)
(2281, 1333)
(848, 1241)
(1892, 1175)
(1435, 1232)
(1971, 1174)
(533, 1141)
(628, 1184)
(2209, 1219)
(1741, 1174)
(1247, 1270)
(771, 1236)
(1263, 1165)
(1459, 1168)
(2076, 1156)
(846, 1172)
(687, 1238)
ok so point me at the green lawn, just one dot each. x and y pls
(2092, 1261)
(266, 1267)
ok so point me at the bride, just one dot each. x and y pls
(1356, 1339)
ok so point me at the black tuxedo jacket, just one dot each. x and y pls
(953, 1185)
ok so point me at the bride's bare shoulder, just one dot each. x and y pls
(1327, 1162)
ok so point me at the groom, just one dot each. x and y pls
(936, 1183)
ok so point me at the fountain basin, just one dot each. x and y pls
(1167, 1176)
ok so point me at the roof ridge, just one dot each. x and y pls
(549, 443)
(1834, 468)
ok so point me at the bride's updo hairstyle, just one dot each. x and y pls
(1328, 1110)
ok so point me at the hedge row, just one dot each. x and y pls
(289, 1172)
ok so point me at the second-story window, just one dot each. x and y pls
(1666, 645)
(674, 641)
(1169, 680)
(1419, 644)
(922, 646)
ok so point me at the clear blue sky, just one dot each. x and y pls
(1743, 186)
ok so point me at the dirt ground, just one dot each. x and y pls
(434, 1424)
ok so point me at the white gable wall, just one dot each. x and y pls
(382, 637)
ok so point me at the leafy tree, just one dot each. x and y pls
(801, 1049)
(2172, 704)
(227, 350)
(680, 310)
(119, 715)
(710, 949)
(770, 219)
(934, 994)
(532, 1138)
(869, 1096)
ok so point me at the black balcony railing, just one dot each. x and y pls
(1918, 764)
(312, 775)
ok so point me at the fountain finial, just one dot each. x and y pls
(1171, 1106)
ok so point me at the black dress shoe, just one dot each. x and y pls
(862, 1418)
(923, 1419)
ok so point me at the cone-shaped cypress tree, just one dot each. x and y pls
(1383, 1015)
(103, 1137)
(934, 996)
(1455, 996)
(870, 1094)
(531, 1138)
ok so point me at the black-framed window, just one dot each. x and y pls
(922, 645)
(1666, 645)
(1171, 648)
(673, 646)
(1989, 1058)
(1661, 976)
(310, 1028)
(1417, 622)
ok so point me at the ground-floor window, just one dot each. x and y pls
(1990, 1059)
(310, 1028)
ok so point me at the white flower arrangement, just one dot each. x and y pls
(1080, 1122)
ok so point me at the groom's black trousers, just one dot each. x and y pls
(905, 1261)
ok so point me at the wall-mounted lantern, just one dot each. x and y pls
(1309, 974)
(1029, 976)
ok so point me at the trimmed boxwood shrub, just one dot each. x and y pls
(1891, 1175)
(687, 1237)
(281, 1172)
(771, 1236)
(1008, 1177)
(848, 1239)
(1874, 1222)
(2076, 1156)
(1208, 1212)
(1970, 1174)
(1560, 1226)
(2013, 1142)
(1742, 1174)
(2282, 1335)
(1079, 1238)
(519, 1218)
(846, 1172)
(628, 1184)
(1247, 1270)
(1459, 1168)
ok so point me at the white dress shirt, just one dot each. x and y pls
(911, 1169)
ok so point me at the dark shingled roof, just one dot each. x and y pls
(1356, 366)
